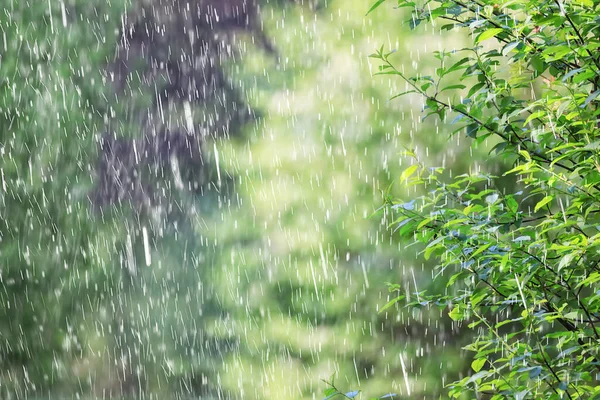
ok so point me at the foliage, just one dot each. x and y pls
(332, 392)
(70, 319)
(311, 175)
(522, 267)
(50, 108)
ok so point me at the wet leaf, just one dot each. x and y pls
(488, 34)
(477, 364)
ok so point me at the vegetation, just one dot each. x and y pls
(51, 252)
(519, 253)
(261, 272)
(245, 268)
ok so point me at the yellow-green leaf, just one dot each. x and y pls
(424, 223)
(454, 222)
(408, 172)
(481, 249)
(374, 6)
(456, 313)
(543, 202)
(490, 33)
(478, 364)
(535, 115)
(525, 154)
(391, 303)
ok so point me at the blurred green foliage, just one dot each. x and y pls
(271, 274)
(53, 268)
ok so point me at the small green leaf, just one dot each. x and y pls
(414, 23)
(456, 65)
(584, 76)
(590, 98)
(402, 94)
(510, 46)
(556, 52)
(478, 364)
(481, 249)
(453, 87)
(512, 204)
(525, 154)
(490, 33)
(566, 261)
(455, 10)
(457, 313)
(535, 115)
(374, 6)
(475, 88)
(391, 303)
(407, 173)
(538, 65)
(543, 202)
(472, 130)
(535, 372)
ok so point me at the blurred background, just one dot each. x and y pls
(189, 196)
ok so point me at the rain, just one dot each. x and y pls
(189, 201)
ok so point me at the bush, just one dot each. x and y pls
(53, 270)
(522, 267)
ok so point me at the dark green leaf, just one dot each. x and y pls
(472, 130)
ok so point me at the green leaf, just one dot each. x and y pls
(472, 130)
(455, 10)
(475, 88)
(592, 279)
(572, 73)
(525, 154)
(584, 76)
(402, 94)
(481, 249)
(543, 202)
(407, 173)
(512, 204)
(554, 53)
(490, 33)
(566, 261)
(590, 98)
(424, 223)
(456, 65)
(453, 87)
(374, 6)
(477, 376)
(535, 372)
(538, 65)
(456, 313)
(478, 364)
(535, 115)
(453, 279)
(414, 23)
(510, 46)
(391, 303)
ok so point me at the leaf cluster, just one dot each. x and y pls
(522, 269)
